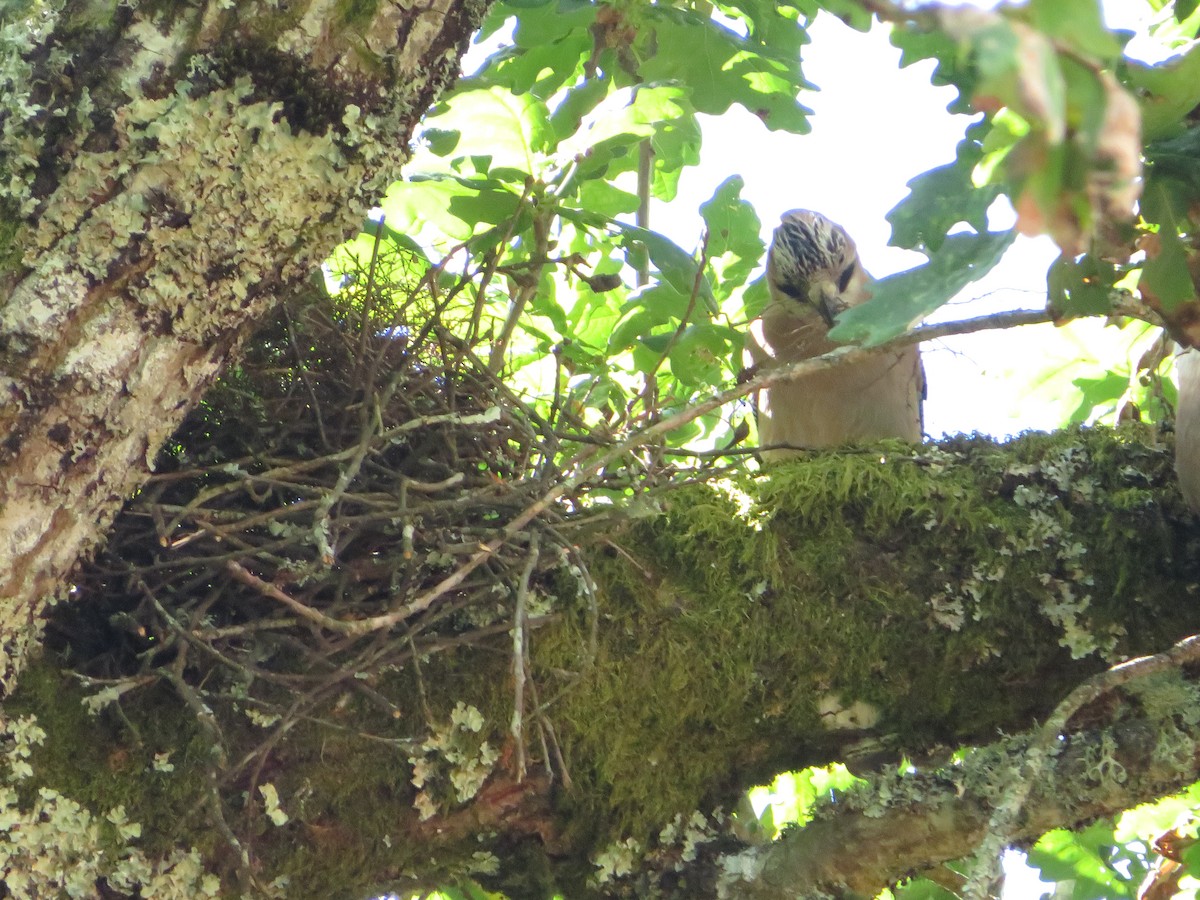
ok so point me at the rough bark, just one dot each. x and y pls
(170, 172)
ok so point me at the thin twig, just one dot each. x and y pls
(547, 728)
(685, 319)
(520, 655)
(526, 288)
(642, 216)
(238, 571)
(493, 261)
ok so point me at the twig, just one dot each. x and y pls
(547, 729)
(685, 319)
(421, 695)
(238, 571)
(308, 386)
(527, 286)
(432, 487)
(520, 652)
(642, 215)
(368, 308)
(489, 269)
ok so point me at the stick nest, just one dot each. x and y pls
(359, 490)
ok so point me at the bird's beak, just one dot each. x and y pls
(826, 299)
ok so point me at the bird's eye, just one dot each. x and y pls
(844, 278)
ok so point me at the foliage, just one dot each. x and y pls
(528, 173)
(501, 340)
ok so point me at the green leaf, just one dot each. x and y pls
(1102, 391)
(1077, 24)
(1177, 158)
(578, 102)
(606, 139)
(728, 69)
(734, 247)
(1167, 92)
(373, 227)
(1166, 275)
(901, 300)
(941, 198)
(674, 148)
(1081, 287)
(625, 118)
(1165, 200)
(680, 437)
(606, 198)
(781, 27)
(498, 16)
(657, 306)
(454, 205)
(952, 67)
(547, 23)
(1082, 858)
(512, 129)
(1152, 819)
(922, 889)
(700, 355)
(441, 142)
(766, 822)
(674, 264)
(755, 297)
(541, 69)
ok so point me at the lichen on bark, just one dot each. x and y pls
(166, 195)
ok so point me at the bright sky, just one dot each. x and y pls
(875, 126)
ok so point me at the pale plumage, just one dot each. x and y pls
(813, 274)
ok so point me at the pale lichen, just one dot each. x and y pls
(19, 139)
(455, 754)
(52, 846)
(271, 805)
(616, 860)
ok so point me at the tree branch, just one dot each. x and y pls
(910, 821)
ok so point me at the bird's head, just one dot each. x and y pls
(812, 261)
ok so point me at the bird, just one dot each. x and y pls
(1187, 427)
(814, 274)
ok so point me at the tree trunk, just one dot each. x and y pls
(171, 171)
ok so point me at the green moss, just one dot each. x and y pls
(102, 761)
(350, 800)
(347, 797)
(950, 587)
(11, 250)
